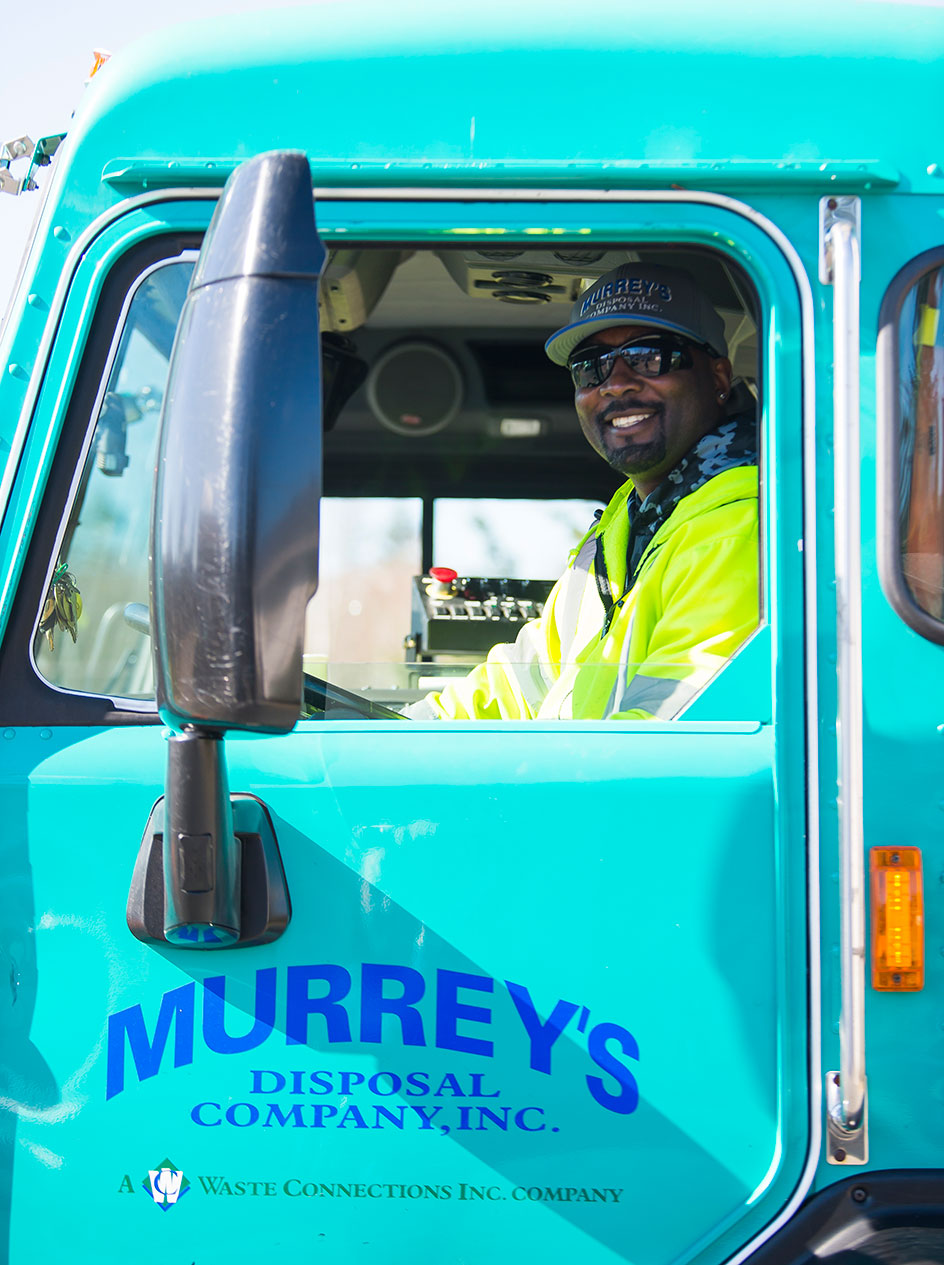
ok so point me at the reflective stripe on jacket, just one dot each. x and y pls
(694, 601)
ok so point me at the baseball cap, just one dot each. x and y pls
(640, 294)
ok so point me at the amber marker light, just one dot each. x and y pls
(99, 56)
(897, 919)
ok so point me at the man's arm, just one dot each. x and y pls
(509, 685)
(709, 605)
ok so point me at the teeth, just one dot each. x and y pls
(628, 419)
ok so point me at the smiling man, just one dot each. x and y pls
(664, 586)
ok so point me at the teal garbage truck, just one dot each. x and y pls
(287, 967)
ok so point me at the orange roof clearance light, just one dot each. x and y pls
(100, 55)
(897, 919)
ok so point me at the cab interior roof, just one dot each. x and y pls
(514, 287)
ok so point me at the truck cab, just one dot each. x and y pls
(290, 967)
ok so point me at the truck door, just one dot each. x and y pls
(544, 985)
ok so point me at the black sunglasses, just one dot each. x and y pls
(649, 355)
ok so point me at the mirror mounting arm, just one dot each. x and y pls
(201, 853)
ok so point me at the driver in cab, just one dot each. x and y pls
(664, 587)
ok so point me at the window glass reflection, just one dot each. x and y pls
(921, 440)
(527, 539)
(104, 552)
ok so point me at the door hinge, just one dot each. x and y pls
(845, 1145)
(838, 207)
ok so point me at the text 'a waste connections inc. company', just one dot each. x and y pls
(396, 1006)
(461, 1192)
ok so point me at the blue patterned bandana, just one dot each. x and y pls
(733, 443)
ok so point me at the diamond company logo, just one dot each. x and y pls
(165, 1184)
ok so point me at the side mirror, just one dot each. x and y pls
(234, 531)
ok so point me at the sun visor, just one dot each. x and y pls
(354, 283)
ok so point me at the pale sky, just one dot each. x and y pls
(44, 76)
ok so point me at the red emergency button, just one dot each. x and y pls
(443, 582)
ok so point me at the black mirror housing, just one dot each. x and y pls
(234, 533)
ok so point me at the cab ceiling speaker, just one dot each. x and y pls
(415, 388)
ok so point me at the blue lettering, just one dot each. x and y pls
(426, 1115)
(323, 1082)
(450, 1083)
(147, 1055)
(486, 1113)
(276, 1087)
(376, 1087)
(214, 1007)
(544, 1035)
(449, 1011)
(591, 301)
(374, 1005)
(300, 1005)
(627, 1100)
(385, 1113)
(530, 1128)
(197, 1114)
(352, 1114)
(247, 1110)
(477, 1090)
(419, 1084)
(281, 1118)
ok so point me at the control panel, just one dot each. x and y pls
(455, 614)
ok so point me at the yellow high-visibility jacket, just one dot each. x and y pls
(695, 600)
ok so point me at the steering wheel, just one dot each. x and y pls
(319, 697)
(333, 702)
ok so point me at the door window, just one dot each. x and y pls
(457, 445)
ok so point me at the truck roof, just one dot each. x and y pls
(802, 95)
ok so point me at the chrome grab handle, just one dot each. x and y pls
(846, 1090)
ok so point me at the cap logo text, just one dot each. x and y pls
(634, 287)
